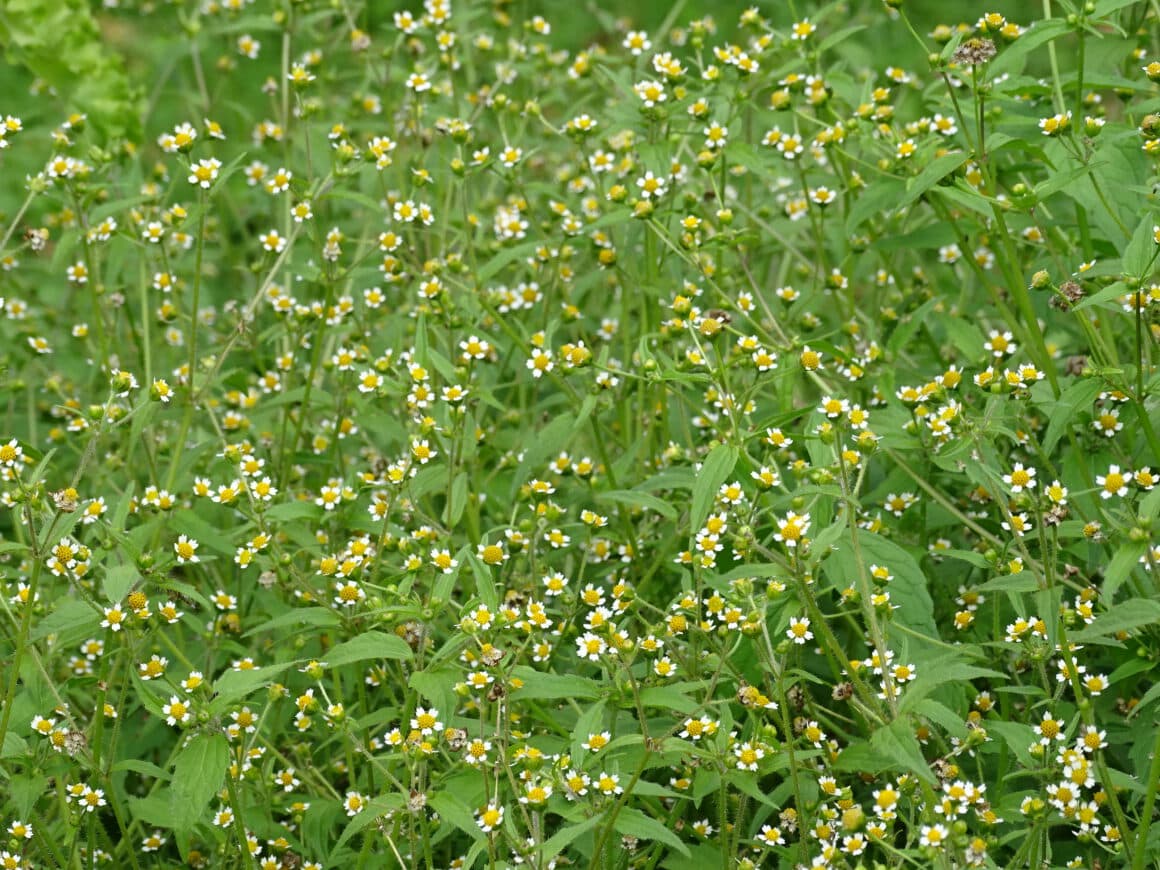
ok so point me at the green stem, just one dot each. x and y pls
(1057, 86)
(1141, 855)
(16, 220)
(196, 301)
(22, 638)
(1079, 78)
(606, 831)
(1017, 287)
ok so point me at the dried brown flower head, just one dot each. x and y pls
(974, 51)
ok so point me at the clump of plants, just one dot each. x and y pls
(433, 443)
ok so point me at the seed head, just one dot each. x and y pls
(974, 52)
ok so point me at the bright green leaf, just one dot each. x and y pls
(717, 467)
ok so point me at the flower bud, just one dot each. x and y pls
(1092, 126)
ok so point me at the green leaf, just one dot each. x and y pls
(1107, 7)
(1061, 412)
(12, 547)
(681, 477)
(1151, 695)
(485, 586)
(198, 774)
(717, 467)
(119, 579)
(669, 698)
(633, 823)
(317, 830)
(910, 325)
(539, 685)
(827, 537)
(456, 813)
(1108, 298)
(588, 723)
(458, 502)
(541, 445)
(144, 768)
(71, 620)
(153, 809)
(962, 195)
(59, 41)
(1141, 251)
(641, 500)
(1120, 567)
(897, 743)
(877, 198)
(564, 837)
(943, 716)
(1011, 58)
(233, 684)
(293, 510)
(1150, 506)
(934, 172)
(1130, 668)
(745, 781)
(1126, 781)
(1017, 736)
(938, 673)
(369, 645)
(436, 686)
(14, 745)
(1022, 582)
(25, 790)
(310, 617)
(508, 255)
(206, 534)
(1123, 617)
(644, 788)
(372, 812)
(968, 556)
(837, 38)
(908, 589)
(1057, 181)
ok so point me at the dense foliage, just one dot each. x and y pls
(433, 443)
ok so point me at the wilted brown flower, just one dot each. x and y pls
(974, 52)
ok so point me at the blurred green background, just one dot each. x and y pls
(578, 20)
(149, 44)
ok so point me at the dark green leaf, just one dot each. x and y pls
(312, 617)
(908, 588)
(897, 743)
(234, 684)
(938, 673)
(198, 774)
(375, 809)
(1011, 58)
(1123, 617)
(564, 837)
(1125, 560)
(632, 822)
(367, 646)
(537, 684)
(456, 813)
(641, 500)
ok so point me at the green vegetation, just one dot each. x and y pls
(510, 434)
